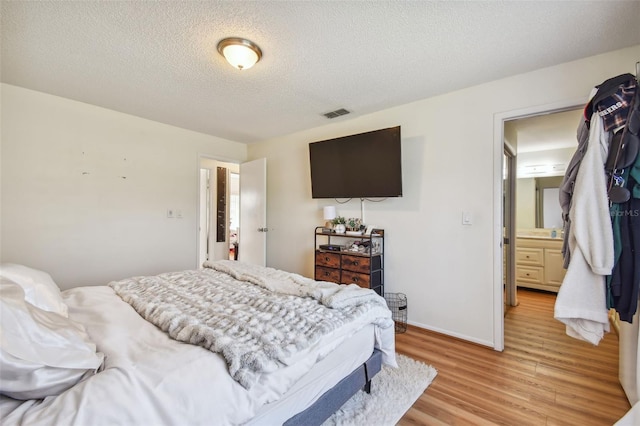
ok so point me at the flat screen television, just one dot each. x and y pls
(365, 165)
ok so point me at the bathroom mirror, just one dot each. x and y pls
(537, 203)
(548, 211)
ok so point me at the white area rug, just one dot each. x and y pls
(393, 392)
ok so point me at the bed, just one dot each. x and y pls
(146, 353)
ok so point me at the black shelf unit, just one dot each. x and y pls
(336, 263)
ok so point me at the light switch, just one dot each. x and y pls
(170, 213)
(466, 218)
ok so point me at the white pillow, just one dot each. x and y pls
(41, 353)
(39, 288)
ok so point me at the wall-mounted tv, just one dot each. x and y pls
(365, 165)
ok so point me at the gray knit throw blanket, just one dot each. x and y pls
(257, 318)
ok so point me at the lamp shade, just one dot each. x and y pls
(329, 212)
(239, 52)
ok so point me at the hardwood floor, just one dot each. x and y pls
(543, 377)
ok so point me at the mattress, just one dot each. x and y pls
(149, 378)
(322, 377)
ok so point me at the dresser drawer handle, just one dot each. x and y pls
(355, 279)
(527, 256)
(527, 274)
(327, 258)
(326, 273)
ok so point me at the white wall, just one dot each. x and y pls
(85, 190)
(449, 163)
(525, 203)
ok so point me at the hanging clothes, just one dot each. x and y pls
(624, 283)
(612, 101)
(600, 199)
(581, 300)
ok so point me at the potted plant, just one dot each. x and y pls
(339, 224)
(353, 224)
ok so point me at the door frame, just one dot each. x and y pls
(498, 154)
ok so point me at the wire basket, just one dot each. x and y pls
(397, 303)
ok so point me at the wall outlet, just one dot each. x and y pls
(179, 214)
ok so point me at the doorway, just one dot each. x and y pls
(502, 135)
(232, 197)
(218, 222)
(543, 143)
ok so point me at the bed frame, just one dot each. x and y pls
(334, 398)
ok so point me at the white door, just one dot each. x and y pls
(252, 246)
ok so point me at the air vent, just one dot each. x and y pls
(336, 113)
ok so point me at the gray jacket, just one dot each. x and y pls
(566, 188)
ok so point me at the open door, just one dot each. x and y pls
(509, 234)
(252, 246)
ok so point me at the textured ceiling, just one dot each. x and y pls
(158, 60)
(546, 132)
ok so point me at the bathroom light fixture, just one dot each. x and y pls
(240, 52)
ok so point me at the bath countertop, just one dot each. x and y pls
(539, 233)
(540, 237)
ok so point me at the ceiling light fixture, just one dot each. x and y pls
(240, 52)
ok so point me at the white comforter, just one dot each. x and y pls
(151, 379)
(258, 328)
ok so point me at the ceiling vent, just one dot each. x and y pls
(336, 113)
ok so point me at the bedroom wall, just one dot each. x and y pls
(445, 268)
(85, 190)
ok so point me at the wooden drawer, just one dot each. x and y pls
(532, 274)
(349, 277)
(554, 271)
(327, 274)
(331, 260)
(530, 256)
(356, 263)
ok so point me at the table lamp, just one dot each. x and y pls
(329, 213)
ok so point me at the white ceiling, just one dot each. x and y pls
(158, 60)
(546, 132)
